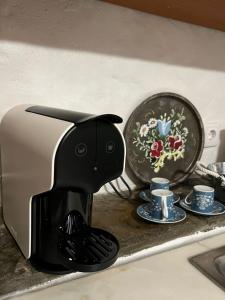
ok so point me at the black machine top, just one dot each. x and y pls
(71, 116)
(90, 154)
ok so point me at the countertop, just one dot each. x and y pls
(168, 275)
(137, 239)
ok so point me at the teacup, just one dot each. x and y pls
(202, 198)
(159, 183)
(162, 204)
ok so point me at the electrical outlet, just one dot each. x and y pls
(211, 134)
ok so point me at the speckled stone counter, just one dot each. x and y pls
(110, 213)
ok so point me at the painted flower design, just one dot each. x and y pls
(162, 138)
(156, 148)
(175, 142)
(185, 131)
(152, 122)
(163, 127)
(176, 123)
(144, 130)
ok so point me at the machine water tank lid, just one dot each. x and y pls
(72, 116)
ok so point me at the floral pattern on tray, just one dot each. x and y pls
(162, 138)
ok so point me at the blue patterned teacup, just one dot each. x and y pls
(159, 183)
(162, 204)
(202, 198)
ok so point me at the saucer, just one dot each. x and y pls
(218, 209)
(146, 196)
(144, 211)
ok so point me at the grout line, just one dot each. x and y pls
(203, 245)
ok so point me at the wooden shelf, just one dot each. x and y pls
(208, 13)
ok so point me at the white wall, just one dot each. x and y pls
(96, 57)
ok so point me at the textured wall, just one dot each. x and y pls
(95, 57)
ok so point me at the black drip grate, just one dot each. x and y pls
(87, 249)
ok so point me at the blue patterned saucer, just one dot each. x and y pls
(217, 209)
(144, 211)
(146, 196)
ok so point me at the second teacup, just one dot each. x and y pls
(159, 183)
(202, 198)
(162, 204)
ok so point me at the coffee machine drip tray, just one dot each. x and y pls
(90, 250)
(87, 249)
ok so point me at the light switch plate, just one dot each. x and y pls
(211, 134)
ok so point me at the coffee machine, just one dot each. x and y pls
(53, 160)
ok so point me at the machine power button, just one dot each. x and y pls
(81, 149)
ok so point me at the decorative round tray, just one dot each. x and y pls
(164, 138)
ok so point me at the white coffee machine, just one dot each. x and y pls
(53, 160)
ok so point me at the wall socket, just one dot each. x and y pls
(212, 138)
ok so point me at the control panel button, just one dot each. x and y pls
(110, 147)
(81, 149)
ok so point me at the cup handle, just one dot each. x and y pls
(186, 198)
(164, 207)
